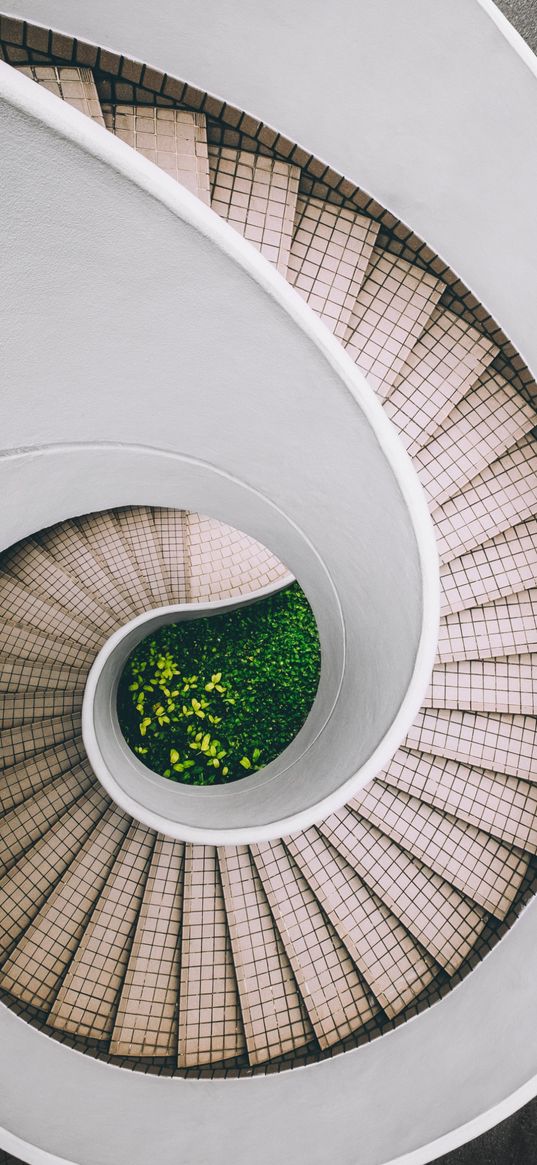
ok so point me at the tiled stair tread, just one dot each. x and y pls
(36, 967)
(26, 707)
(224, 562)
(210, 1021)
(257, 196)
(19, 782)
(106, 540)
(19, 744)
(273, 1014)
(502, 566)
(499, 497)
(392, 307)
(146, 1020)
(448, 358)
(505, 627)
(502, 806)
(169, 525)
(478, 865)
(22, 678)
(174, 139)
(507, 684)
(395, 968)
(140, 536)
(329, 256)
(35, 568)
(20, 605)
(76, 86)
(29, 644)
(30, 882)
(86, 1001)
(24, 825)
(333, 993)
(66, 543)
(495, 741)
(445, 922)
(487, 422)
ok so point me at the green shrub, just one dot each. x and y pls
(210, 700)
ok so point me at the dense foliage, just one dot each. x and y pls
(210, 700)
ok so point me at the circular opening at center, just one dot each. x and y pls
(209, 701)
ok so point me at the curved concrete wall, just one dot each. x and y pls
(428, 107)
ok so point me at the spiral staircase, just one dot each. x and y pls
(174, 958)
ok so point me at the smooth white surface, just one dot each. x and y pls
(426, 105)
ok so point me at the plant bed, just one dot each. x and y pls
(209, 701)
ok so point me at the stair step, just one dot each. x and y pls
(36, 967)
(210, 1023)
(146, 1020)
(23, 606)
(35, 569)
(500, 743)
(17, 677)
(329, 257)
(506, 627)
(476, 864)
(502, 806)
(29, 644)
(134, 572)
(25, 824)
(499, 497)
(174, 139)
(138, 529)
(86, 1001)
(102, 536)
(224, 562)
(335, 997)
(257, 196)
(169, 525)
(487, 422)
(508, 684)
(275, 1021)
(391, 310)
(28, 707)
(445, 923)
(30, 882)
(446, 361)
(23, 780)
(502, 566)
(67, 545)
(19, 744)
(74, 85)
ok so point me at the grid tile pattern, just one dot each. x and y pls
(174, 139)
(478, 865)
(24, 890)
(103, 536)
(273, 1014)
(146, 1020)
(435, 913)
(37, 965)
(24, 825)
(139, 531)
(448, 358)
(29, 644)
(392, 964)
(257, 196)
(486, 685)
(504, 744)
(169, 525)
(22, 780)
(502, 806)
(86, 1001)
(29, 706)
(503, 566)
(506, 627)
(333, 993)
(391, 310)
(224, 562)
(20, 605)
(502, 495)
(35, 568)
(486, 423)
(67, 545)
(329, 256)
(74, 85)
(18, 744)
(210, 1025)
(18, 676)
